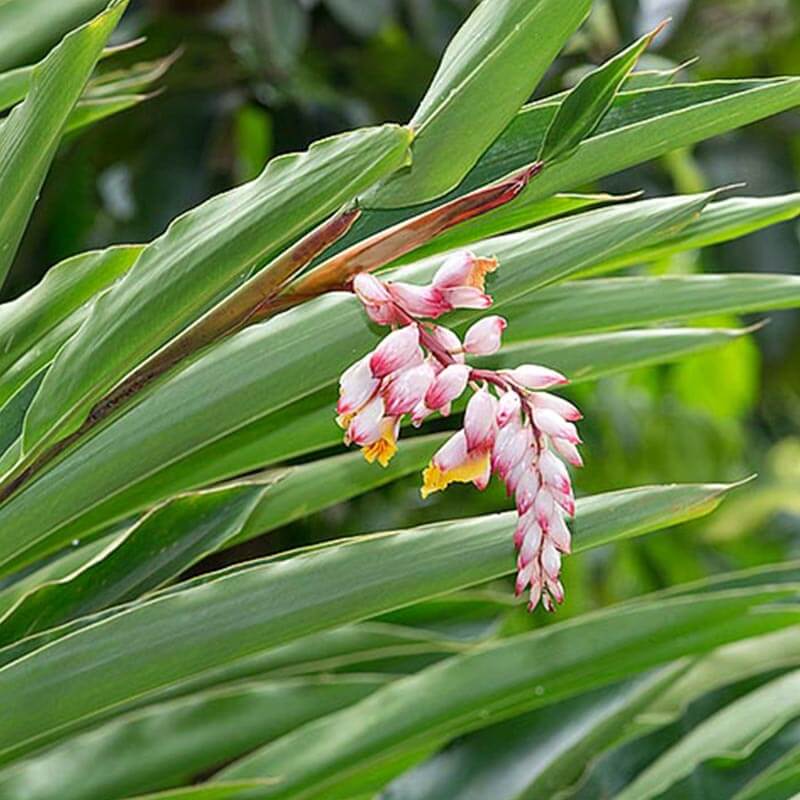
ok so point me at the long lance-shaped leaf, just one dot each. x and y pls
(602, 305)
(467, 692)
(640, 126)
(723, 221)
(720, 222)
(268, 366)
(34, 326)
(170, 743)
(590, 357)
(29, 27)
(542, 753)
(157, 644)
(502, 52)
(29, 136)
(583, 109)
(734, 732)
(156, 549)
(203, 254)
(536, 754)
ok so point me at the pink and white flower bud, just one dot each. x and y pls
(544, 507)
(526, 575)
(369, 290)
(419, 301)
(448, 341)
(406, 389)
(508, 408)
(448, 385)
(455, 271)
(524, 523)
(532, 376)
(535, 595)
(551, 560)
(559, 534)
(420, 413)
(556, 426)
(452, 454)
(554, 473)
(530, 544)
(558, 404)
(479, 420)
(510, 446)
(356, 386)
(365, 427)
(465, 297)
(399, 350)
(485, 336)
(568, 451)
(526, 492)
(515, 475)
(556, 591)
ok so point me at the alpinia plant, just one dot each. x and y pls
(165, 401)
(511, 426)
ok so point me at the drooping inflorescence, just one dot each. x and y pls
(512, 428)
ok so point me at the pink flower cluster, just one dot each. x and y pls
(512, 427)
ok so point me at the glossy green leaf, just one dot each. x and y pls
(162, 545)
(533, 755)
(28, 28)
(169, 744)
(734, 732)
(35, 325)
(583, 109)
(503, 50)
(640, 125)
(202, 254)
(30, 134)
(721, 222)
(265, 367)
(470, 691)
(586, 358)
(153, 645)
(602, 305)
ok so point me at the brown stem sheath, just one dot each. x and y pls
(391, 244)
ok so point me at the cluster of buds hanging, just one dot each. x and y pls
(513, 427)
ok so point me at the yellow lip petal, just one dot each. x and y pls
(384, 449)
(434, 480)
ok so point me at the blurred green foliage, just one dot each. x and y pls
(261, 77)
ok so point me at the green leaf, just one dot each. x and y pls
(34, 326)
(204, 253)
(602, 305)
(640, 126)
(734, 733)
(156, 644)
(586, 358)
(162, 545)
(503, 50)
(266, 367)
(28, 28)
(720, 222)
(778, 782)
(170, 743)
(583, 109)
(30, 134)
(470, 691)
(534, 755)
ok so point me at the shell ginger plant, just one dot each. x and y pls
(164, 402)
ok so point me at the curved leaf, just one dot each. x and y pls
(159, 643)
